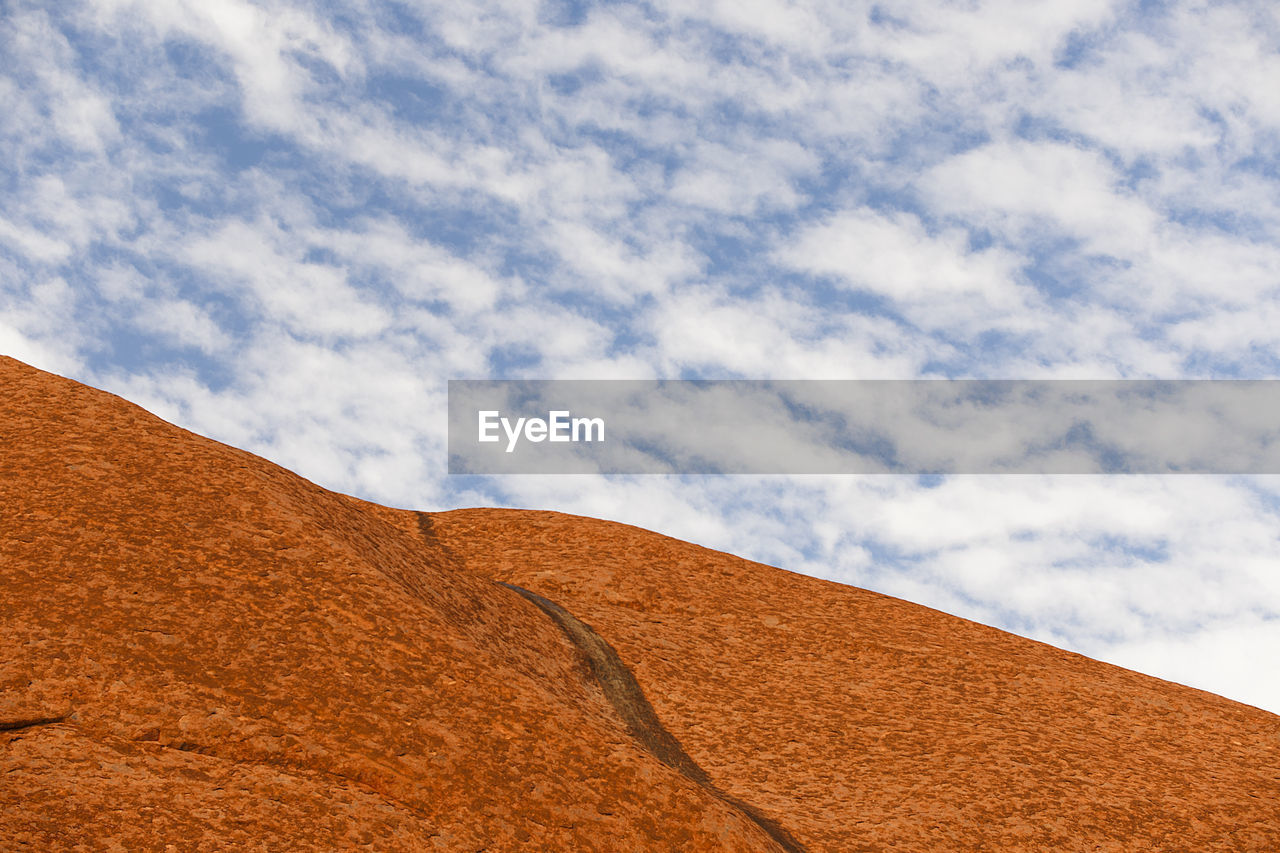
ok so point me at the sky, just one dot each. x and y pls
(286, 226)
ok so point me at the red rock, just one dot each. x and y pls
(203, 650)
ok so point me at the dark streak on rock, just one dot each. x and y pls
(427, 528)
(620, 687)
(18, 725)
(624, 693)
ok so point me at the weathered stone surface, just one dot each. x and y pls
(202, 650)
(863, 722)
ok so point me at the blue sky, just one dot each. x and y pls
(286, 226)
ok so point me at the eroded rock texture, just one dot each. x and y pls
(202, 650)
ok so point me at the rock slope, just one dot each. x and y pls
(205, 651)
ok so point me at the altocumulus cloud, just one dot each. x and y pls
(286, 225)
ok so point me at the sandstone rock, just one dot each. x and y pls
(205, 651)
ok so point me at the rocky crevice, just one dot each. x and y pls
(627, 698)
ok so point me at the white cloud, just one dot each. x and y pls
(34, 243)
(741, 180)
(183, 324)
(34, 325)
(1128, 101)
(611, 268)
(795, 25)
(958, 39)
(417, 269)
(264, 44)
(1100, 560)
(1230, 657)
(39, 351)
(70, 109)
(308, 297)
(708, 332)
(894, 256)
(1019, 188)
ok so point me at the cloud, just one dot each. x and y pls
(36, 350)
(1022, 189)
(895, 257)
(962, 40)
(269, 48)
(308, 297)
(744, 179)
(65, 106)
(708, 332)
(418, 270)
(1225, 657)
(34, 243)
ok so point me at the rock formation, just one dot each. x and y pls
(202, 650)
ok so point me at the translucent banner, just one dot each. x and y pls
(864, 426)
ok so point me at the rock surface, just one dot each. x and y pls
(202, 650)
